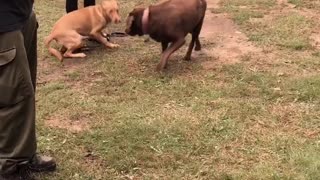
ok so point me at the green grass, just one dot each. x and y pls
(244, 10)
(285, 31)
(307, 88)
(310, 4)
(254, 3)
(296, 2)
(238, 121)
(290, 31)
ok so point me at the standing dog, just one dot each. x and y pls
(169, 22)
(70, 30)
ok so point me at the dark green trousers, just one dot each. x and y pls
(18, 68)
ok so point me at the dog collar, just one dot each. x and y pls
(145, 19)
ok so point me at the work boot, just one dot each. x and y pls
(42, 164)
(22, 173)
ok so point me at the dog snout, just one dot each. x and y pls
(118, 20)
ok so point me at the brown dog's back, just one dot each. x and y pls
(169, 22)
(176, 17)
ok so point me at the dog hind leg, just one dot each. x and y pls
(197, 33)
(194, 41)
(164, 46)
(75, 44)
(191, 45)
(166, 54)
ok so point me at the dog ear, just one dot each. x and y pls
(109, 4)
(104, 4)
(130, 20)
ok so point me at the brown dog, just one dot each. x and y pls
(169, 22)
(70, 30)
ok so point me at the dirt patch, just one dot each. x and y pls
(74, 126)
(51, 70)
(73, 72)
(231, 44)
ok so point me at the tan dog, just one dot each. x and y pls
(70, 30)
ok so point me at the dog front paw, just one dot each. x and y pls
(187, 58)
(160, 67)
(113, 46)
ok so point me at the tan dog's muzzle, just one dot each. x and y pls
(117, 19)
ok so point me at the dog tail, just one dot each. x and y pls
(53, 51)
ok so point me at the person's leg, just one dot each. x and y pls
(17, 101)
(71, 5)
(17, 105)
(89, 3)
(29, 31)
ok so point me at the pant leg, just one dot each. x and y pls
(17, 99)
(89, 3)
(29, 32)
(71, 5)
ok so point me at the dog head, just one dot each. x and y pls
(134, 22)
(111, 10)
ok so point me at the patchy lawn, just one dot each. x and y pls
(246, 107)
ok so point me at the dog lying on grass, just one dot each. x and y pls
(169, 22)
(70, 30)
